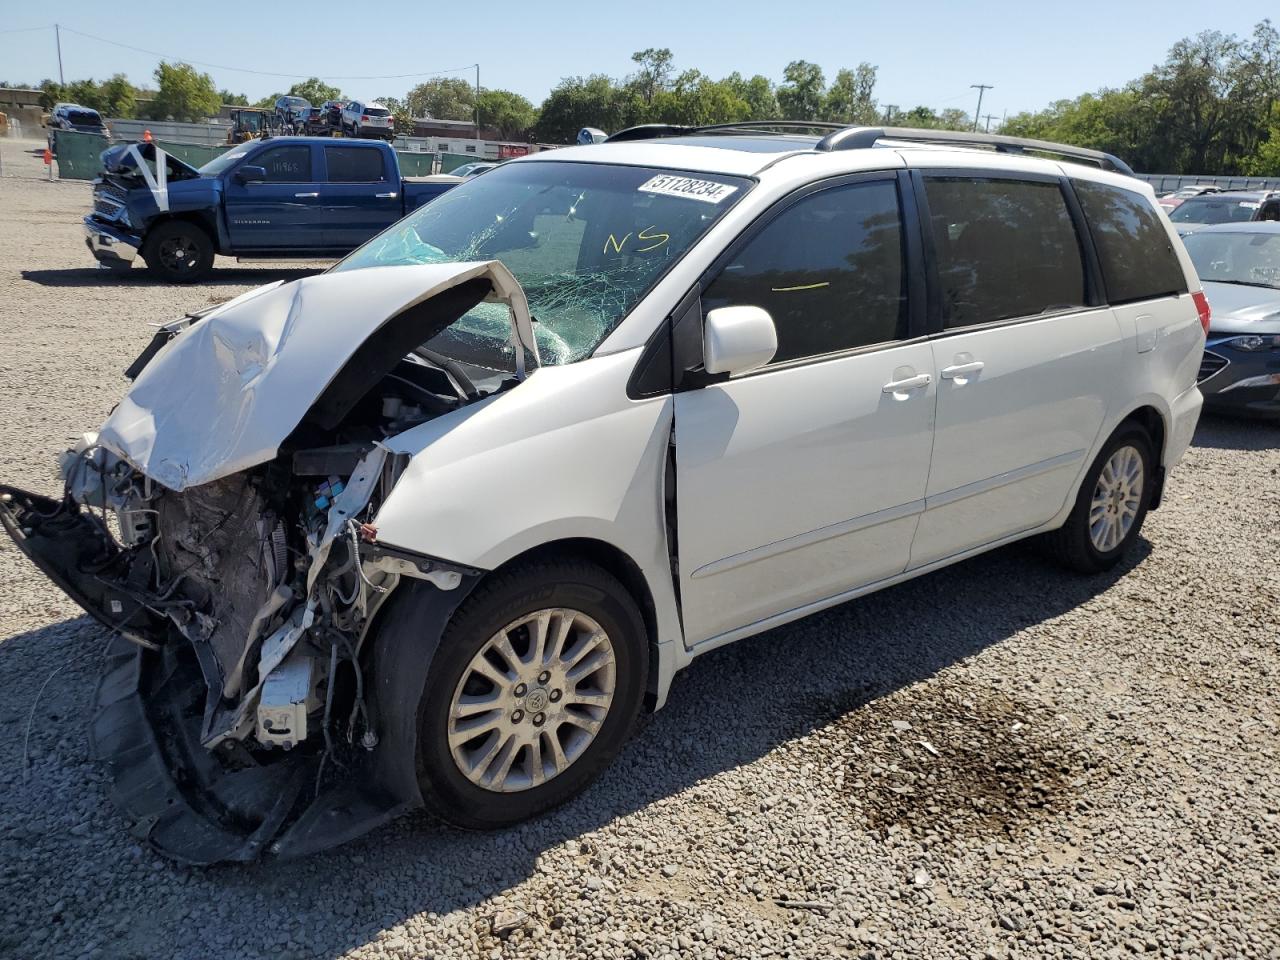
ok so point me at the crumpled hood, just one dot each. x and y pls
(120, 159)
(225, 393)
(1238, 308)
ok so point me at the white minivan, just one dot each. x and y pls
(433, 526)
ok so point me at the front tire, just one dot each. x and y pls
(1111, 506)
(534, 689)
(178, 252)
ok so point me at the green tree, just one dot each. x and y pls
(594, 101)
(233, 99)
(315, 91)
(509, 113)
(444, 98)
(654, 74)
(757, 93)
(851, 97)
(118, 97)
(183, 93)
(801, 95)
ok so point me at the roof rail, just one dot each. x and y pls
(653, 131)
(858, 138)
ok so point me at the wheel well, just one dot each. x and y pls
(1149, 419)
(609, 558)
(195, 219)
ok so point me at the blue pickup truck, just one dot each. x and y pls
(277, 198)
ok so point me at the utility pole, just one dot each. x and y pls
(988, 117)
(889, 110)
(981, 88)
(57, 38)
(477, 101)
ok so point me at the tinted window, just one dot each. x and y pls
(1137, 256)
(377, 112)
(84, 118)
(353, 164)
(285, 164)
(1005, 248)
(829, 269)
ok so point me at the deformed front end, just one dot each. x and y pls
(222, 524)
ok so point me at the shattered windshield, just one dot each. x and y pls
(585, 240)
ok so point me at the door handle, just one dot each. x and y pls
(910, 383)
(962, 370)
(302, 196)
(385, 196)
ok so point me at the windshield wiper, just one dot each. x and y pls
(1245, 283)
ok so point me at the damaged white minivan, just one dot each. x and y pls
(431, 527)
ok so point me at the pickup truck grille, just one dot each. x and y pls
(108, 200)
(1210, 364)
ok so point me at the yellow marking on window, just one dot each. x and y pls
(617, 244)
(660, 238)
(806, 286)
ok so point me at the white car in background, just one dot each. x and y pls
(430, 528)
(373, 120)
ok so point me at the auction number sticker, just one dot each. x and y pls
(707, 191)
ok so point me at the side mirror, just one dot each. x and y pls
(251, 174)
(737, 340)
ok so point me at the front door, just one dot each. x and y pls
(360, 196)
(282, 211)
(1024, 362)
(805, 479)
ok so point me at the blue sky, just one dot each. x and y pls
(928, 52)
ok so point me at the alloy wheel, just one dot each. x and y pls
(1116, 499)
(532, 700)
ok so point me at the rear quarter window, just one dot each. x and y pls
(1134, 247)
(354, 165)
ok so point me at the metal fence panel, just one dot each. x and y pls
(78, 154)
(416, 164)
(452, 161)
(209, 134)
(1169, 182)
(192, 153)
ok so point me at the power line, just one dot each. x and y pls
(48, 26)
(264, 73)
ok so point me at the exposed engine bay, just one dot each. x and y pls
(241, 606)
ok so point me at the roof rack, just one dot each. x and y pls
(653, 131)
(858, 138)
(843, 137)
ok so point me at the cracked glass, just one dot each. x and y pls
(586, 241)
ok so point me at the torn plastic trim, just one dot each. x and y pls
(225, 393)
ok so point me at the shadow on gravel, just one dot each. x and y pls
(843, 671)
(228, 276)
(1236, 433)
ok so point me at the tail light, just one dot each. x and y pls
(1202, 308)
(365, 118)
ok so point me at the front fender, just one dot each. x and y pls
(564, 455)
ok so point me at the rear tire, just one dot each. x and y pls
(1110, 507)
(553, 722)
(178, 252)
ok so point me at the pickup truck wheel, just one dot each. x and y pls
(533, 690)
(1112, 503)
(178, 252)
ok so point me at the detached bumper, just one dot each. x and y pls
(109, 246)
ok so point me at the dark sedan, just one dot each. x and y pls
(1239, 265)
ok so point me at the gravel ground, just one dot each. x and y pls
(996, 760)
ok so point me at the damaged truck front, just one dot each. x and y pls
(222, 525)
